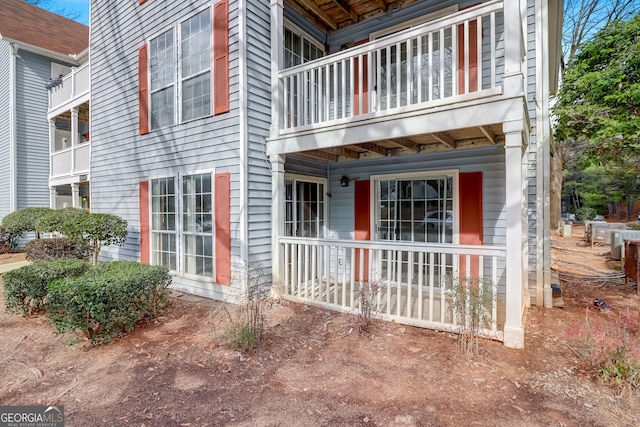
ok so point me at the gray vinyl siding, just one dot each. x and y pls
(488, 160)
(259, 121)
(5, 135)
(121, 158)
(32, 129)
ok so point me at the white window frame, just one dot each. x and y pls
(309, 179)
(177, 69)
(304, 36)
(179, 232)
(374, 207)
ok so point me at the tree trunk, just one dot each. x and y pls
(555, 204)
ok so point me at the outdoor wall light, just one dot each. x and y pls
(344, 181)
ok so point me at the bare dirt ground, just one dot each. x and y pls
(312, 369)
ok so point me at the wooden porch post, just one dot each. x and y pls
(277, 44)
(516, 239)
(277, 222)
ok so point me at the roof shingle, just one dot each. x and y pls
(29, 24)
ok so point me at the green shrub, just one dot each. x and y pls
(57, 248)
(585, 214)
(97, 228)
(54, 220)
(634, 225)
(8, 242)
(109, 300)
(24, 220)
(25, 289)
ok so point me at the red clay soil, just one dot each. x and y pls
(314, 369)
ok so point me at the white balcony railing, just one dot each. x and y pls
(409, 280)
(73, 85)
(71, 161)
(458, 57)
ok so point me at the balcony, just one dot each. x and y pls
(382, 90)
(73, 90)
(71, 161)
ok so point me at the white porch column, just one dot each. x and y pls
(75, 195)
(52, 197)
(516, 238)
(277, 63)
(52, 144)
(513, 80)
(277, 222)
(74, 139)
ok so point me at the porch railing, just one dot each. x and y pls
(73, 85)
(453, 58)
(410, 283)
(71, 161)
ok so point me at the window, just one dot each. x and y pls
(197, 224)
(163, 222)
(196, 66)
(182, 224)
(182, 54)
(304, 207)
(161, 63)
(299, 48)
(416, 209)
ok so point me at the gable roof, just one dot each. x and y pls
(26, 23)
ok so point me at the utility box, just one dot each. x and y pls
(566, 229)
(617, 241)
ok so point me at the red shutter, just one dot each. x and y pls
(145, 254)
(473, 55)
(223, 227)
(143, 90)
(221, 57)
(365, 83)
(362, 223)
(471, 227)
(141, 1)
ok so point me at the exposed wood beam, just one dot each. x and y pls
(320, 155)
(344, 152)
(489, 134)
(346, 9)
(314, 19)
(382, 5)
(374, 148)
(406, 143)
(445, 139)
(313, 8)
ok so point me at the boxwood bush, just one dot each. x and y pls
(57, 248)
(109, 300)
(25, 289)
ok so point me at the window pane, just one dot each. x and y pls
(198, 224)
(196, 97)
(162, 112)
(196, 44)
(161, 61)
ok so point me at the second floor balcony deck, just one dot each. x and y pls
(450, 69)
(73, 90)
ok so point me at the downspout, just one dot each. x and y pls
(243, 137)
(13, 144)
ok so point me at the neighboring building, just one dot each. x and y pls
(36, 46)
(408, 146)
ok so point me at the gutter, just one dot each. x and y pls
(67, 58)
(13, 161)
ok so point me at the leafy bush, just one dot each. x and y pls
(109, 300)
(24, 220)
(99, 229)
(57, 248)
(25, 289)
(8, 241)
(634, 225)
(54, 220)
(585, 214)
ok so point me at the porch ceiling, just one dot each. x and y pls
(423, 143)
(331, 15)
